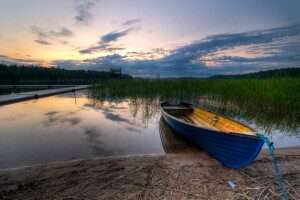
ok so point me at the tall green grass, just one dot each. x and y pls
(269, 99)
(278, 95)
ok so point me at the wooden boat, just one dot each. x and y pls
(232, 143)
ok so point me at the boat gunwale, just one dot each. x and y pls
(252, 135)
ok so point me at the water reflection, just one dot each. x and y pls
(270, 123)
(173, 142)
(58, 128)
(142, 111)
(55, 128)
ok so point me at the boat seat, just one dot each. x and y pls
(177, 109)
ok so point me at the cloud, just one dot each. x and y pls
(83, 14)
(215, 43)
(94, 141)
(53, 34)
(132, 21)
(113, 36)
(16, 61)
(51, 113)
(105, 41)
(42, 42)
(215, 54)
(54, 119)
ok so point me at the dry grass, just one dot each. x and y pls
(140, 179)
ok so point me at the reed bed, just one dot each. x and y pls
(268, 102)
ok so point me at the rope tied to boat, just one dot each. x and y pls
(271, 150)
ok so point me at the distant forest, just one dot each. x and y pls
(276, 73)
(31, 73)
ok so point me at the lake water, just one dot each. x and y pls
(63, 127)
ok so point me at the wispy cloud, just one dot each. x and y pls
(105, 41)
(113, 36)
(83, 15)
(15, 61)
(42, 42)
(131, 22)
(254, 51)
(53, 34)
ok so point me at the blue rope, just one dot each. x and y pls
(271, 149)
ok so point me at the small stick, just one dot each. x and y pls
(293, 189)
(110, 182)
(239, 185)
(197, 195)
(2, 195)
(172, 185)
(151, 194)
(260, 184)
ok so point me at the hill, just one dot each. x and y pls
(276, 73)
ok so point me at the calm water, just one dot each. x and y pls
(63, 127)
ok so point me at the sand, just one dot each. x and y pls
(168, 176)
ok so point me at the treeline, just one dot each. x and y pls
(23, 73)
(276, 73)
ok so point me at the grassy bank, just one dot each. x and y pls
(269, 102)
(276, 95)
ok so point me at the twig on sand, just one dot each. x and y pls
(293, 189)
(116, 179)
(261, 184)
(71, 197)
(193, 194)
(172, 184)
(2, 195)
(151, 194)
(239, 185)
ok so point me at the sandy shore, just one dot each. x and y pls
(169, 176)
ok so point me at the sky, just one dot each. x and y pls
(172, 38)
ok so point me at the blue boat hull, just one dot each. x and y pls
(232, 150)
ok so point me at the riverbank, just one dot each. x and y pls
(168, 176)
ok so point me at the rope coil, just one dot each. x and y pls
(271, 150)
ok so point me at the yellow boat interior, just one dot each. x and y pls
(197, 116)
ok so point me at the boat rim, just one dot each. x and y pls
(240, 134)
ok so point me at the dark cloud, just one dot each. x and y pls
(105, 40)
(85, 51)
(54, 119)
(115, 117)
(113, 36)
(42, 42)
(15, 61)
(94, 141)
(132, 21)
(83, 14)
(51, 113)
(212, 44)
(133, 129)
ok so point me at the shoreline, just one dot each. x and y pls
(156, 176)
(288, 151)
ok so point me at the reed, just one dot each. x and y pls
(269, 99)
(275, 95)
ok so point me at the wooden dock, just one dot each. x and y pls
(12, 98)
(35, 86)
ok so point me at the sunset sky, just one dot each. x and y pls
(194, 38)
